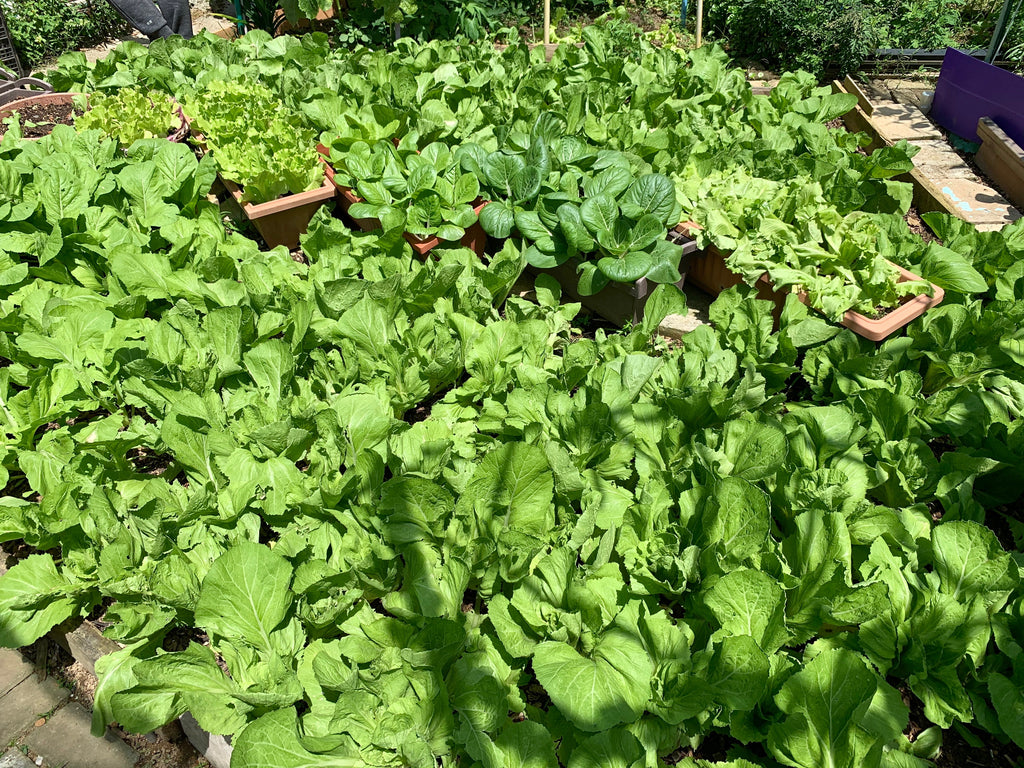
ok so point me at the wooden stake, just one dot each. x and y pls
(547, 22)
(700, 22)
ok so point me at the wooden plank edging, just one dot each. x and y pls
(1002, 160)
(927, 195)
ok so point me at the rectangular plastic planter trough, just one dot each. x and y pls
(709, 272)
(280, 221)
(475, 238)
(619, 303)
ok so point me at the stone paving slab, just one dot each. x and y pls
(23, 705)
(938, 161)
(977, 202)
(13, 669)
(13, 758)
(899, 121)
(66, 740)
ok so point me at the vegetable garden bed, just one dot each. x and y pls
(362, 508)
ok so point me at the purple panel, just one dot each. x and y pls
(969, 89)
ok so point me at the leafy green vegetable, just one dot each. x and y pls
(277, 159)
(129, 115)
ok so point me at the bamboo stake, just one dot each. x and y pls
(700, 22)
(547, 22)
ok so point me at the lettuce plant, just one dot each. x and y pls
(256, 141)
(130, 114)
(792, 233)
(424, 193)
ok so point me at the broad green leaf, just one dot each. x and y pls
(749, 602)
(515, 485)
(609, 687)
(969, 560)
(825, 703)
(272, 741)
(245, 594)
(1008, 701)
(617, 748)
(739, 672)
(736, 520)
(34, 581)
(653, 194)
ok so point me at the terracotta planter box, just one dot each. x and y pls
(281, 221)
(619, 303)
(475, 238)
(348, 199)
(42, 100)
(709, 272)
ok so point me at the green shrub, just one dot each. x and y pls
(816, 35)
(42, 29)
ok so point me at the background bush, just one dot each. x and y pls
(816, 35)
(43, 29)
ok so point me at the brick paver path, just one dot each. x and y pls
(37, 717)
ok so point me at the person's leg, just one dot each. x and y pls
(173, 17)
(178, 15)
(144, 16)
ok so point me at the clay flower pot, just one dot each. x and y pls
(42, 100)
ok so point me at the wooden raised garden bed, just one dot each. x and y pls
(1002, 160)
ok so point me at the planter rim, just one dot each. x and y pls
(259, 210)
(42, 98)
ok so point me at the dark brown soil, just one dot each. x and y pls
(917, 226)
(714, 748)
(39, 119)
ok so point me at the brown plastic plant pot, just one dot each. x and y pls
(877, 329)
(350, 198)
(475, 238)
(709, 272)
(42, 100)
(619, 303)
(280, 221)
